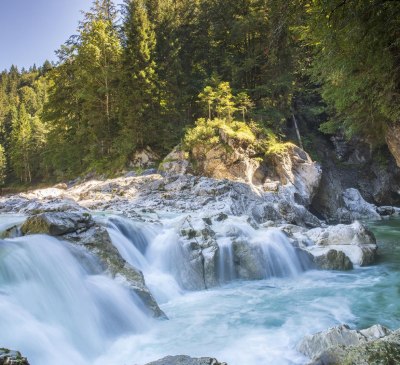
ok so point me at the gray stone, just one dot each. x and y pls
(333, 260)
(374, 351)
(314, 345)
(57, 223)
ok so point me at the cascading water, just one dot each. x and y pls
(56, 305)
(166, 260)
(270, 252)
(149, 249)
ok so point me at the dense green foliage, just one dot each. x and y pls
(141, 75)
(357, 60)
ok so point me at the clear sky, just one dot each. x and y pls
(31, 30)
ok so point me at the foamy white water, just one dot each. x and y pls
(56, 307)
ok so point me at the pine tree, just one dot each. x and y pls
(140, 110)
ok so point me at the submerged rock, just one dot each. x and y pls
(186, 360)
(9, 357)
(340, 345)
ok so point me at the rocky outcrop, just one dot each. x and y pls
(296, 167)
(340, 345)
(334, 246)
(81, 229)
(232, 160)
(186, 360)
(9, 357)
(393, 141)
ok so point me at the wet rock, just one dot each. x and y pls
(386, 210)
(314, 345)
(333, 260)
(12, 232)
(186, 360)
(57, 224)
(197, 267)
(247, 260)
(374, 346)
(9, 357)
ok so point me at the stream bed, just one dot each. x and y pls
(79, 316)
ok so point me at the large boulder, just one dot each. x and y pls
(57, 223)
(81, 229)
(341, 346)
(9, 357)
(186, 360)
(354, 240)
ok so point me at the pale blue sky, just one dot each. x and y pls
(31, 30)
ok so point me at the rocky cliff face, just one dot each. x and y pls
(237, 161)
(354, 180)
(393, 141)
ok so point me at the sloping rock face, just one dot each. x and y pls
(376, 345)
(9, 357)
(393, 141)
(81, 229)
(186, 360)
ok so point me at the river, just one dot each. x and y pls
(56, 306)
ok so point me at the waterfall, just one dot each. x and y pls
(55, 304)
(151, 250)
(226, 265)
(249, 253)
(170, 264)
(279, 257)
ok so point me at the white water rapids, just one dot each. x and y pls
(58, 307)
